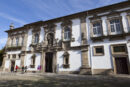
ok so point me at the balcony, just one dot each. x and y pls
(14, 47)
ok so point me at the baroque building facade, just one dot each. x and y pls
(96, 41)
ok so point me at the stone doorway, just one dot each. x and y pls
(12, 66)
(49, 62)
(121, 65)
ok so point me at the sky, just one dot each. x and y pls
(21, 12)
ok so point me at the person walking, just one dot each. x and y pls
(12, 68)
(22, 69)
(25, 68)
(16, 68)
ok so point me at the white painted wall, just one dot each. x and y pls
(76, 32)
(125, 22)
(104, 26)
(13, 52)
(7, 64)
(105, 61)
(28, 61)
(102, 62)
(17, 62)
(41, 35)
(74, 60)
(29, 39)
(58, 31)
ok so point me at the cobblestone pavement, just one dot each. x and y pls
(59, 80)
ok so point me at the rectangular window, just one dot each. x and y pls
(115, 26)
(97, 28)
(118, 49)
(14, 56)
(9, 56)
(22, 41)
(17, 41)
(98, 51)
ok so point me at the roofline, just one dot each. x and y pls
(88, 12)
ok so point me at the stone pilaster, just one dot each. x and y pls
(85, 69)
(43, 62)
(3, 63)
(83, 30)
(23, 54)
(22, 59)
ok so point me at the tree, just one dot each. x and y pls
(1, 56)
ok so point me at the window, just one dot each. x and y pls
(97, 28)
(11, 42)
(98, 50)
(117, 49)
(115, 26)
(14, 56)
(9, 56)
(66, 60)
(22, 43)
(33, 61)
(36, 40)
(67, 34)
(17, 41)
(19, 56)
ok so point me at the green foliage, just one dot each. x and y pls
(1, 56)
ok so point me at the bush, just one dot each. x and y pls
(1, 56)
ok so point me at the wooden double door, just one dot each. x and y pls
(49, 62)
(121, 65)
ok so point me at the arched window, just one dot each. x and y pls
(67, 34)
(36, 40)
(17, 41)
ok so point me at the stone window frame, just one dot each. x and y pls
(98, 54)
(67, 31)
(14, 56)
(9, 56)
(66, 23)
(128, 20)
(92, 21)
(66, 60)
(112, 49)
(22, 40)
(12, 40)
(113, 17)
(17, 41)
(33, 37)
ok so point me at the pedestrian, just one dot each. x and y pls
(16, 68)
(39, 68)
(25, 68)
(12, 68)
(22, 69)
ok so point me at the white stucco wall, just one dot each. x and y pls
(29, 39)
(74, 61)
(7, 64)
(58, 31)
(27, 61)
(105, 61)
(125, 22)
(41, 38)
(18, 63)
(76, 32)
(104, 26)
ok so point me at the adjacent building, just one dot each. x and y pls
(96, 41)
